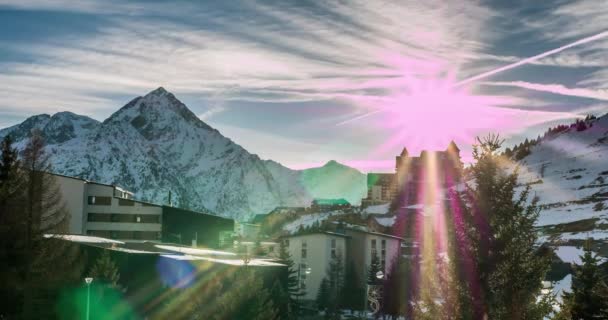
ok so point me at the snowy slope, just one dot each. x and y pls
(569, 174)
(155, 145)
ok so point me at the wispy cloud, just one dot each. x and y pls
(353, 55)
(280, 53)
(598, 94)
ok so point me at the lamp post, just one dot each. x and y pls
(88, 281)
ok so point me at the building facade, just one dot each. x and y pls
(312, 254)
(109, 211)
(412, 174)
(363, 245)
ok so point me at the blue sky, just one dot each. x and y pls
(283, 78)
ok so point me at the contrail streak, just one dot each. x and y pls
(598, 36)
(533, 58)
(358, 117)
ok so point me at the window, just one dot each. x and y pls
(149, 218)
(100, 201)
(125, 202)
(123, 218)
(383, 252)
(374, 251)
(304, 252)
(134, 235)
(333, 248)
(98, 217)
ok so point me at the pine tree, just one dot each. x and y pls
(323, 295)
(105, 270)
(48, 263)
(499, 232)
(245, 298)
(280, 298)
(373, 269)
(395, 290)
(335, 278)
(290, 282)
(12, 185)
(353, 292)
(589, 296)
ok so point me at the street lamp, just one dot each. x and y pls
(88, 281)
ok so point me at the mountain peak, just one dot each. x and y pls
(332, 163)
(160, 91)
(156, 113)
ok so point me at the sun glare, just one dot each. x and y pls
(429, 113)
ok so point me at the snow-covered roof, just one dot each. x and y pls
(82, 239)
(194, 251)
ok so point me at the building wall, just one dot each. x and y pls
(182, 226)
(73, 194)
(360, 251)
(119, 218)
(246, 231)
(381, 188)
(318, 256)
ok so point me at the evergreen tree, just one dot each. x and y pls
(105, 270)
(36, 264)
(499, 232)
(49, 263)
(290, 282)
(589, 296)
(323, 295)
(335, 278)
(353, 292)
(395, 291)
(12, 185)
(373, 269)
(245, 298)
(280, 299)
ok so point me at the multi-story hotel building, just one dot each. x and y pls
(411, 173)
(108, 211)
(313, 252)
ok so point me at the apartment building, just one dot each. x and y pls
(312, 254)
(108, 211)
(412, 174)
(363, 245)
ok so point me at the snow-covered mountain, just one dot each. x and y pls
(155, 145)
(569, 174)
